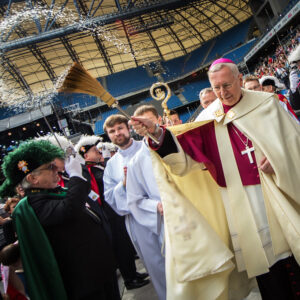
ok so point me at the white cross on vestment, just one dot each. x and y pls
(248, 152)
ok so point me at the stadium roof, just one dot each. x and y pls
(40, 39)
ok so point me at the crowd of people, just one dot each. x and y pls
(207, 206)
(277, 64)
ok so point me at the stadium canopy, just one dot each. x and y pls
(40, 39)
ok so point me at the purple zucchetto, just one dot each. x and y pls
(221, 61)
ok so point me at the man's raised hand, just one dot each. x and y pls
(142, 126)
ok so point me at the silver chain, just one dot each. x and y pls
(245, 143)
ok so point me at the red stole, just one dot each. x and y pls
(94, 185)
(201, 144)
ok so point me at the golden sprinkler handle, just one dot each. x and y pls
(161, 95)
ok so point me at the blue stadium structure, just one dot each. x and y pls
(127, 48)
(136, 80)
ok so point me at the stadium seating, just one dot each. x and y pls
(178, 67)
(184, 117)
(137, 79)
(83, 100)
(129, 81)
(238, 54)
(99, 124)
(7, 112)
(174, 102)
(191, 90)
(229, 40)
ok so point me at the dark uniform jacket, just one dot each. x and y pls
(295, 99)
(80, 245)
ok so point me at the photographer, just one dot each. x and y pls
(294, 60)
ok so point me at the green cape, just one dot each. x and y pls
(42, 275)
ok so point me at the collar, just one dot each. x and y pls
(35, 191)
(133, 148)
(90, 163)
(249, 101)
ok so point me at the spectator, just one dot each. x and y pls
(251, 82)
(282, 73)
(174, 118)
(10, 204)
(294, 60)
(271, 84)
(10, 259)
(207, 96)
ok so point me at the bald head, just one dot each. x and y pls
(207, 96)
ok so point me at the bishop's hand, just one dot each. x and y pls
(142, 126)
(265, 166)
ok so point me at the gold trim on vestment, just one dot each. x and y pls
(254, 255)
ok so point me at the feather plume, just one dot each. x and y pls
(87, 140)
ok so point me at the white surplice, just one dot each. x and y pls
(142, 199)
(146, 242)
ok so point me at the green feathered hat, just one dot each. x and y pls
(23, 160)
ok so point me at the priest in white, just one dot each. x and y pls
(145, 205)
(143, 220)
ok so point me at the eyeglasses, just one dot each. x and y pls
(225, 86)
(50, 167)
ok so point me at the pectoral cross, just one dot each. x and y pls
(248, 152)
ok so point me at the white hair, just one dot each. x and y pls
(205, 91)
(25, 184)
(218, 67)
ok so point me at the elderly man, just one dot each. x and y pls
(62, 142)
(206, 96)
(251, 83)
(245, 150)
(65, 251)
